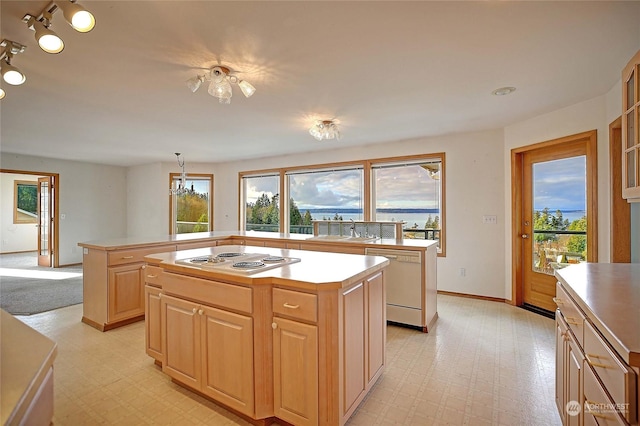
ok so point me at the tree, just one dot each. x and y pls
(295, 218)
(578, 243)
(544, 221)
(307, 220)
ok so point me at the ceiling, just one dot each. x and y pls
(386, 70)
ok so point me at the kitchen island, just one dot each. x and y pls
(113, 271)
(302, 340)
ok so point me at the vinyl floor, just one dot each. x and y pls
(485, 363)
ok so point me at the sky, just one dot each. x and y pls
(560, 184)
(400, 187)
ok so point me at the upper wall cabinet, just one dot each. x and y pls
(630, 139)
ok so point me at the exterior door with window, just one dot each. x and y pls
(557, 215)
(45, 220)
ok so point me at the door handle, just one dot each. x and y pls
(525, 236)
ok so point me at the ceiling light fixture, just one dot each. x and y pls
(11, 74)
(220, 79)
(80, 19)
(180, 187)
(2, 93)
(325, 129)
(47, 39)
(503, 91)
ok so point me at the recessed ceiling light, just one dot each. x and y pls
(503, 91)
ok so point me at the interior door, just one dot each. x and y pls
(45, 220)
(554, 217)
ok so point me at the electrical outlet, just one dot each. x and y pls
(490, 219)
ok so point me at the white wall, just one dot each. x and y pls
(15, 237)
(596, 114)
(92, 198)
(474, 183)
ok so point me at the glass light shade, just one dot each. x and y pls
(194, 83)
(2, 93)
(80, 19)
(324, 130)
(247, 88)
(221, 90)
(12, 75)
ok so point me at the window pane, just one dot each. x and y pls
(410, 193)
(324, 195)
(560, 213)
(191, 209)
(262, 203)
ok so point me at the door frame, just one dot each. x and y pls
(590, 138)
(620, 226)
(55, 235)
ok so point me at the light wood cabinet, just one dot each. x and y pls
(630, 133)
(126, 292)
(295, 371)
(569, 360)
(209, 350)
(153, 330)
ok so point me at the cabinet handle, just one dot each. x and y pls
(195, 310)
(159, 295)
(587, 409)
(595, 364)
(127, 257)
(572, 321)
(287, 305)
(274, 325)
(558, 301)
(152, 276)
(200, 311)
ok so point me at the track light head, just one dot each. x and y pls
(2, 93)
(47, 39)
(11, 74)
(77, 16)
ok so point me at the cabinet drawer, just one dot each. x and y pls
(209, 292)
(597, 404)
(121, 257)
(152, 275)
(571, 313)
(617, 377)
(295, 304)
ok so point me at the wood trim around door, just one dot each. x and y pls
(55, 243)
(620, 225)
(590, 138)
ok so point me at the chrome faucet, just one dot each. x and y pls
(353, 229)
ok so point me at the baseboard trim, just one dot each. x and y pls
(473, 296)
(539, 311)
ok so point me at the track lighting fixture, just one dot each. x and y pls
(79, 18)
(11, 74)
(325, 129)
(2, 93)
(220, 78)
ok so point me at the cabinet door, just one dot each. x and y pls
(295, 372)
(573, 381)
(227, 359)
(181, 342)
(126, 292)
(153, 329)
(561, 338)
(377, 325)
(353, 345)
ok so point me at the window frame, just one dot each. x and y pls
(193, 176)
(242, 220)
(367, 166)
(16, 218)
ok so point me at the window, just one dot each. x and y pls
(25, 202)
(261, 202)
(324, 194)
(411, 192)
(192, 211)
(407, 189)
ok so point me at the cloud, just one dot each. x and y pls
(560, 184)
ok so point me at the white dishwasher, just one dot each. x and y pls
(404, 285)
